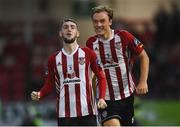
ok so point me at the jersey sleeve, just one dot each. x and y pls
(99, 74)
(48, 85)
(133, 43)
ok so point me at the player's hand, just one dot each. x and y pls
(101, 104)
(35, 96)
(142, 88)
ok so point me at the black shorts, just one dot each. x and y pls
(121, 109)
(89, 120)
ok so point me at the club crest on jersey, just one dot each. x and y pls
(81, 60)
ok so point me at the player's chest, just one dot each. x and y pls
(109, 49)
(72, 65)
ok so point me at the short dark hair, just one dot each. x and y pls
(68, 20)
(101, 8)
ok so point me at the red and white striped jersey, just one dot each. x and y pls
(115, 56)
(72, 77)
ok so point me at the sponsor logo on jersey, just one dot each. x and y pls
(75, 80)
(114, 64)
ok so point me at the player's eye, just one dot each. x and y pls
(95, 21)
(102, 20)
(73, 27)
(65, 27)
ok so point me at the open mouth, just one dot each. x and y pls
(69, 34)
(99, 29)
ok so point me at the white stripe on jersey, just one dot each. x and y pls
(84, 108)
(72, 98)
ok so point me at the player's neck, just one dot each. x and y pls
(70, 48)
(107, 35)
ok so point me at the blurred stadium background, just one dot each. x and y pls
(29, 34)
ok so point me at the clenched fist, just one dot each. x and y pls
(35, 96)
(101, 104)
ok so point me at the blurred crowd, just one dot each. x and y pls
(165, 53)
(161, 38)
(22, 64)
(28, 114)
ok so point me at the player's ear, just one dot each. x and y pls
(110, 22)
(78, 33)
(60, 33)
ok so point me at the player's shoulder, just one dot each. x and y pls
(91, 39)
(124, 35)
(88, 51)
(53, 55)
(122, 32)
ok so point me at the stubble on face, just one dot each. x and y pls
(68, 41)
